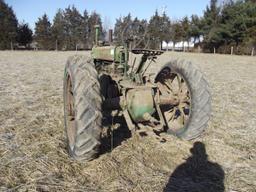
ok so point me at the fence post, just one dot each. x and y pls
(11, 46)
(231, 51)
(56, 45)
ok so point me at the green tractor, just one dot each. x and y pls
(151, 92)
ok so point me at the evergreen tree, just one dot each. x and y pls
(85, 27)
(211, 30)
(185, 25)
(139, 33)
(58, 30)
(118, 31)
(8, 23)
(123, 29)
(239, 28)
(24, 36)
(165, 28)
(159, 29)
(73, 27)
(176, 32)
(223, 27)
(250, 1)
(196, 28)
(154, 31)
(43, 33)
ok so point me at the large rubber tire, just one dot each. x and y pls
(87, 101)
(200, 109)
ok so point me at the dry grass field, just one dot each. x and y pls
(33, 154)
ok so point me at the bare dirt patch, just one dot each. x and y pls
(33, 152)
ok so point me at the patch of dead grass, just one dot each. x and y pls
(33, 154)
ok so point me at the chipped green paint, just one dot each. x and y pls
(109, 53)
(139, 103)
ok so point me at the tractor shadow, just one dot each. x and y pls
(197, 174)
(115, 132)
(114, 129)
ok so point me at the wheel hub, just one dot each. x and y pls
(177, 108)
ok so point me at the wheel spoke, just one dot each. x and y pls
(162, 89)
(171, 110)
(179, 81)
(180, 120)
(183, 88)
(181, 111)
(170, 114)
(184, 99)
(184, 105)
(171, 85)
(170, 118)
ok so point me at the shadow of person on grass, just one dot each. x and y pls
(197, 174)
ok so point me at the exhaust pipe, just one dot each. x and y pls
(110, 36)
(97, 33)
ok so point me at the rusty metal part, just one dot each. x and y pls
(124, 83)
(176, 109)
(153, 122)
(71, 129)
(149, 118)
(140, 102)
(128, 120)
(164, 100)
(147, 52)
(158, 109)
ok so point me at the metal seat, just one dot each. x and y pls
(147, 52)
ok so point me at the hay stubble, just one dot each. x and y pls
(33, 152)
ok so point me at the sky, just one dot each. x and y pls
(30, 10)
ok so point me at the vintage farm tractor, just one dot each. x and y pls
(151, 92)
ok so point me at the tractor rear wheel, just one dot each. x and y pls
(183, 81)
(82, 108)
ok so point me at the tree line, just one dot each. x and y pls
(222, 26)
(229, 24)
(69, 31)
(10, 30)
